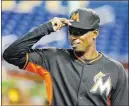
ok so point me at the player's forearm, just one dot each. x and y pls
(16, 52)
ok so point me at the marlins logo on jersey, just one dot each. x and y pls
(102, 84)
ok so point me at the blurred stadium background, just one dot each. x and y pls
(18, 17)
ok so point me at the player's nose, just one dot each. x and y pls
(73, 37)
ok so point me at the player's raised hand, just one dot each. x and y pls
(58, 23)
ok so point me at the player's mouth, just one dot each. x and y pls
(74, 45)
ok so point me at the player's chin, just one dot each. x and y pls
(78, 49)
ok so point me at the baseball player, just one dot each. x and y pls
(81, 76)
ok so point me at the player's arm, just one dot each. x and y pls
(17, 52)
(20, 53)
(120, 93)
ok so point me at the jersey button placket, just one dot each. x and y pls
(84, 80)
(81, 96)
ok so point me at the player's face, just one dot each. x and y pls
(80, 41)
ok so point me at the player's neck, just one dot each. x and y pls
(91, 53)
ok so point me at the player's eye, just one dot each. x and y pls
(78, 31)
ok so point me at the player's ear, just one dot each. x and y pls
(95, 33)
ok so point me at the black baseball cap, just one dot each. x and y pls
(85, 18)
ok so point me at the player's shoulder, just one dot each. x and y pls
(56, 52)
(113, 63)
(51, 51)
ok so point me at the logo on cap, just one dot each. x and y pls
(75, 17)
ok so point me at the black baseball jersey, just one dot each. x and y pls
(69, 81)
